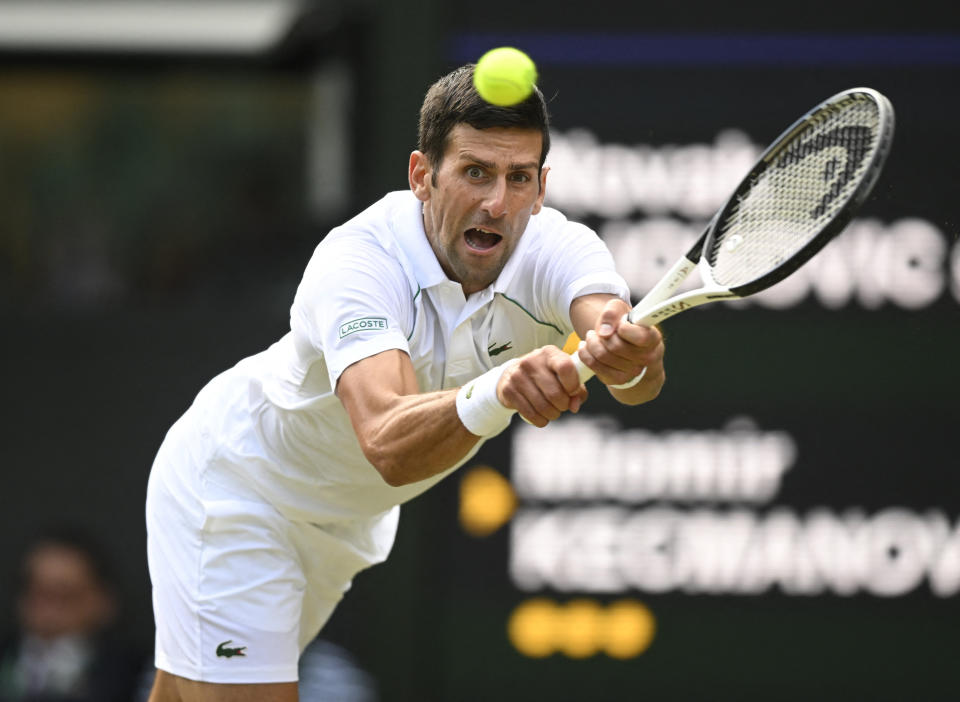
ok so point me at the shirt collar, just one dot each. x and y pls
(407, 226)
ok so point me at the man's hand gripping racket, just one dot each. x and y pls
(801, 193)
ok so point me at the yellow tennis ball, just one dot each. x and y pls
(504, 76)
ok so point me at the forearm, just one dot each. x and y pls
(644, 391)
(416, 437)
(409, 436)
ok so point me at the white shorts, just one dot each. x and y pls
(238, 589)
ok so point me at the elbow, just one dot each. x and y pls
(392, 470)
(387, 457)
(392, 476)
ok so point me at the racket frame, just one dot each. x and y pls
(843, 216)
(658, 304)
(653, 308)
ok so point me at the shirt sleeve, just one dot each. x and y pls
(354, 302)
(577, 263)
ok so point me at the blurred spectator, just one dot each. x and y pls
(329, 672)
(64, 649)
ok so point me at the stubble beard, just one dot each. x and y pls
(473, 278)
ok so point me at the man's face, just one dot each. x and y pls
(477, 204)
(62, 595)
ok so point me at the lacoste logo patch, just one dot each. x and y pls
(224, 651)
(494, 350)
(363, 324)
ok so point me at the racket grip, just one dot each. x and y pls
(645, 321)
(582, 370)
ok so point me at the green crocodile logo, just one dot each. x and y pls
(499, 349)
(224, 651)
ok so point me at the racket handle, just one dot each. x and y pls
(582, 370)
(643, 321)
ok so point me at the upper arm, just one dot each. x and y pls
(372, 386)
(406, 435)
(353, 303)
(585, 311)
(569, 262)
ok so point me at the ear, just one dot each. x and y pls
(418, 175)
(538, 205)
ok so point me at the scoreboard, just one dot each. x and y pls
(783, 522)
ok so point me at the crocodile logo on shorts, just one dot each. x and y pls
(224, 651)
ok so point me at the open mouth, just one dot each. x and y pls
(481, 239)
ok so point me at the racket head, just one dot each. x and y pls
(802, 192)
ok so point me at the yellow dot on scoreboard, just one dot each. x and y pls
(532, 627)
(629, 629)
(487, 501)
(581, 628)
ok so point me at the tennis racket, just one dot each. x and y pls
(801, 193)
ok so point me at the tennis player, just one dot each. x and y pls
(419, 328)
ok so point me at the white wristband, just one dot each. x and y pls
(631, 383)
(479, 407)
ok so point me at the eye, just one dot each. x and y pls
(520, 177)
(475, 172)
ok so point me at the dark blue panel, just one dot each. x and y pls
(717, 49)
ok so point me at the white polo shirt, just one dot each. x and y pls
(374, 284)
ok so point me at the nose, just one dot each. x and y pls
(495, 201)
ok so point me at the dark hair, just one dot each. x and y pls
(453, 100)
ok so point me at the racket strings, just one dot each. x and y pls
(787, 204)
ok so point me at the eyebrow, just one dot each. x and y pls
(467, 156)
